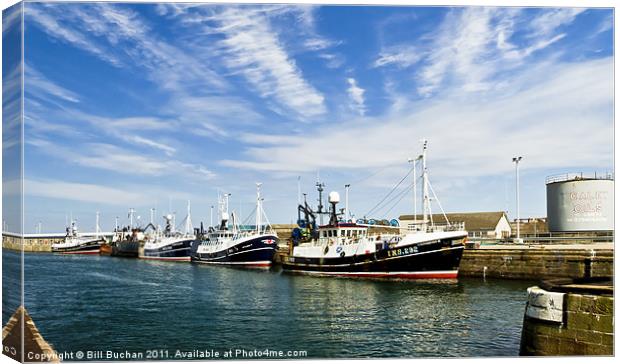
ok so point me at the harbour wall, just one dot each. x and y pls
(573, 323)
(538, 262)
(493, 261)
(40, 245)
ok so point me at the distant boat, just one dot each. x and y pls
(169, 244)
(127, 240)
(75, 244)
(241, 248)
(342, 248)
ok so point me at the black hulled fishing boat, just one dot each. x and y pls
(424, 250)
(234, 246)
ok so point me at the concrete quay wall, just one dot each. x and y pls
(538, 262)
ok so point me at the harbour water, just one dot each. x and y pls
(92, 303)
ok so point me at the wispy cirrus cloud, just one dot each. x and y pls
(35, 83)
(545, 132)
(250, 46)
(132, 195)
(401, 56)
(109, 157)
(253, 50)
(473, 45)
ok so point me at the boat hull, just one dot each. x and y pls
(257, 252)
(106, 249)
(88, 248)
(126, 249)
(178, 251)
(439, 260)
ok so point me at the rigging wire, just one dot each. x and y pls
(389, 193)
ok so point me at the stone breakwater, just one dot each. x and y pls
(41, 245)
(539, 261)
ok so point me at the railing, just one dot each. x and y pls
(586, 237)
(455, 226)
(572, 176)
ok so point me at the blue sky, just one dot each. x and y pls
(148, 105)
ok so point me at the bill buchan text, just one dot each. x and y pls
(165, 354)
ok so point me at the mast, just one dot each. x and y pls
(425, 196)
(131, 212)
(188, 219)
(319, 187)
(346, 202)
(152, 214)
(259, 208)
(97, 225)
(116, 223)
(211, 224)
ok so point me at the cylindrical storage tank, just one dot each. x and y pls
(578, 203)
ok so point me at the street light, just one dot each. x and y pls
(516, 161)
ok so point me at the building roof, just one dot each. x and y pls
(474, 221)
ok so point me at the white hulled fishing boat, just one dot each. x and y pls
(74, 243)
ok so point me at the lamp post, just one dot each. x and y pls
(516, 161)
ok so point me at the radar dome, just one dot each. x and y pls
(334, 197)
(225, 216)
(168, 217)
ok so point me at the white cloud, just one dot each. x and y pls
(333, 60)
(558, 115)
(52, 26)
(253, 50)
(474, 44)
(11, 17)
(356, 95)
(401, 56)
(550, 19)
(37, 84)
(115, 159)
(151, 143)
(94, 193)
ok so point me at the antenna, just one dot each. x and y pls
(298, 190)
(258, 208)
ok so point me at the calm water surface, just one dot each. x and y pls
(103, 303)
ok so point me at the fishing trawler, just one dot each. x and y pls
(423, 250)
(76, 244)
(236, 247)
(126, 241)
(170, 244)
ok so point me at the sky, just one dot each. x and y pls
(151, 105)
